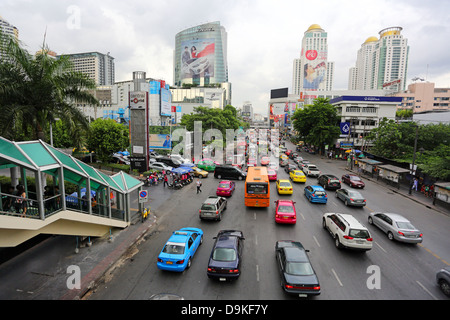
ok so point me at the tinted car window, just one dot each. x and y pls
(224, 254)
(356, 233)
(285, 209)
(208, 207)
(299, 268)
(174, 248)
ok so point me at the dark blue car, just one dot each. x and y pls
(226, 255)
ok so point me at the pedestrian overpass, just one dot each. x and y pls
(78, 199)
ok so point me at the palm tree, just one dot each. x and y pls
(36, 90)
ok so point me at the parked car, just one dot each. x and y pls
(213, 208)
(285, 212)
(443, 280)
(396, 227)
(347, 231)
(353, 180)
(316, 194)
(329, 181)
(225, 188)
(174, 163)
(180, 249)
(297, 176)
(297, 274)
(284, 186)
(289, 167)
(229, 172)
(311, 170)
(226, 255)
(272, 174)
(179, 158)
(351, 197)
(159, 166)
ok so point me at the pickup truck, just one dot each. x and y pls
(311, 170)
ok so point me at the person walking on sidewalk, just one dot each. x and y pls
(415, 184)
(199, 185)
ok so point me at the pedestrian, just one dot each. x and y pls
(199, 185)
(165, 181)
(415, 184)
(21, 201)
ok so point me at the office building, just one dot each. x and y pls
(7, 29)
(200, 55)
(381, 63)
(423, 97)
(312, 71)
(98, 66)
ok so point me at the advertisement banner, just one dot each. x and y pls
(166, 102)
(197, 58)
(160, 141)
(314, 70)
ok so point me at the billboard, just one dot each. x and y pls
(160, 141)
(166, 102)
(279, 93)
(197, 58)
(314, 69)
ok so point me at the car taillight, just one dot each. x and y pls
(420, 235)
(160, 260)
(277, 216)
(211, 270)
(217, 212)
(348, 237)
(313, 195)
(180, 262)
(369, 239)
(401, 233)
(233, 271)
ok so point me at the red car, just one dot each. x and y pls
(225, 188)
(288, 152)
(265, 161)
(285, 212)
(353, 180)
(272, 174)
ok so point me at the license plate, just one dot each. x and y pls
(169, 262)
(222, 279)
(359, 241)
(286, 217)
(302, 295)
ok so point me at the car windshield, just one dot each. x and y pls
(299, 268)
(224, 254)
(208, 207)
(299, 173)
(270, 172)
(354, 194)
(405, 225)
(357, 233)
(174, 248)
(355, 178)
(285, 209)
(284, 184)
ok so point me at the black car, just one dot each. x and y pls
(229, 172)
(290, 167)
(329, 182)
(226, 255)
(297, 274)
(169, 161)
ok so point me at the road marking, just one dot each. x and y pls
(426, 290)
(257, 273)
(303, 217)
(337, 278)
(254, 215)
(316, 241)
(433, 254)
(380, 247)
(256, 239)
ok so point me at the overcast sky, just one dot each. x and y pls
(264, 36)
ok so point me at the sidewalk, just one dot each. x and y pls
(42, 272)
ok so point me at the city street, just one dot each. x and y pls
(407, 272)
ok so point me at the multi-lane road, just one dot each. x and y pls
(390, 271)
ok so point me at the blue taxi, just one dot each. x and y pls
(316, 194)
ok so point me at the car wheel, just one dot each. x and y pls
(370, 220)
(201, 240)
(219, 217)
(337, 243)
(346, 202)
(445, 287)
(324, 224)
(336, 194)
(188, 264)
(219, 176)
(240, 178)
(390, 235)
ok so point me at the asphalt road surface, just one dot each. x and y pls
(406, 272)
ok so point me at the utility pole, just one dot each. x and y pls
(414, 160)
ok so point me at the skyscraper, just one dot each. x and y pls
(312, 71)
(381, 63)
(7, 29)
(200, 55)
(99, 67)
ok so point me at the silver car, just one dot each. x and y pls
(396, 226)
(351, 197)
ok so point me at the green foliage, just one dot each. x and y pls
(317, 124)
(404, 114)
(107, 137)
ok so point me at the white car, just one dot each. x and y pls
(347, 231)
(159, 166)
(311, 170)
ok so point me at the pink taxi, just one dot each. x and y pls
(285, 212)
(225, 188)
(272, 174)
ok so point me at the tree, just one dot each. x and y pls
(37, 90)
(106, 137)
(317, 124)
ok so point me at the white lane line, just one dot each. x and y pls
(380, 247)
(254, 215)
(303, 217)
(315, 239)
(337, 278)
(256, 239)
(426, 290)
(257, 273)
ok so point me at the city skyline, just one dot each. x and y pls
(264, 37)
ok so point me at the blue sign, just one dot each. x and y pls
(345, 128)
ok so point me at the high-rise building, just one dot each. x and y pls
(99, 67)
(200, 55)
(381, 63)
(312, 71)
(9, 30)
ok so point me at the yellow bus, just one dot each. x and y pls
(257, 187)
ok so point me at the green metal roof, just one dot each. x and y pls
(39, 156)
